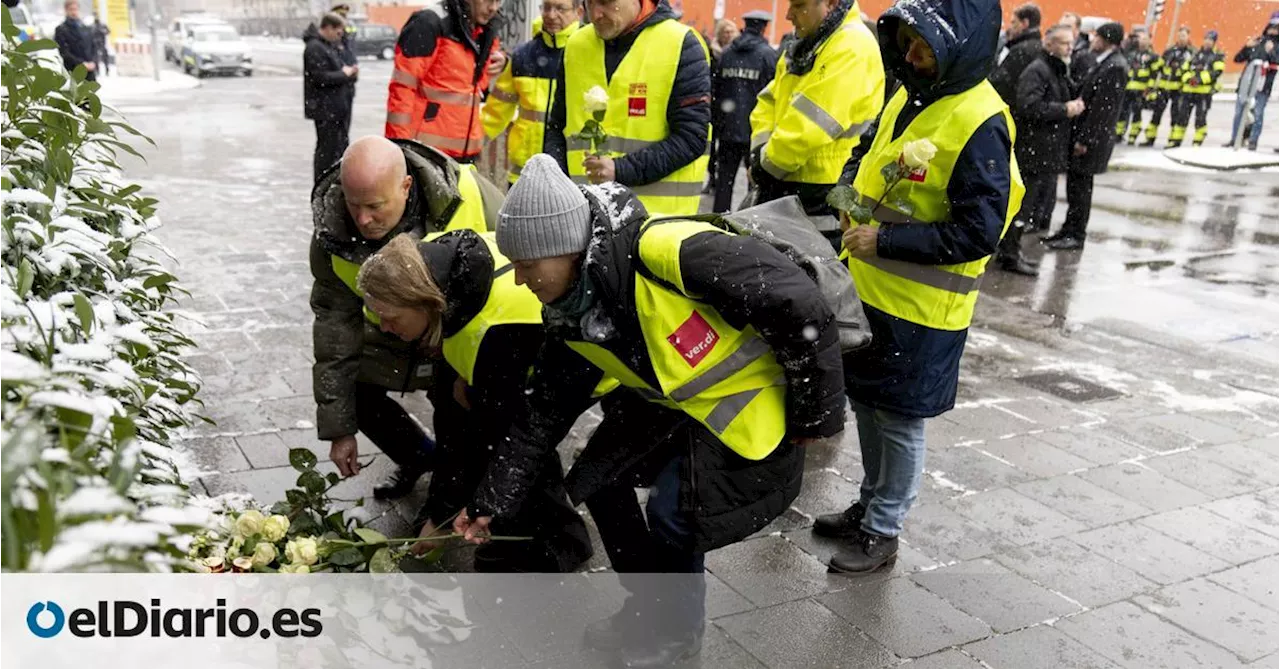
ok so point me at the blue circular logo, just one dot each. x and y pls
(33, 619)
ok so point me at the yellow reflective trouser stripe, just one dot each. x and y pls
(750, 351)
(533, 115)
(656, 189)
(928, 275)
(505, 96)
(398, 118)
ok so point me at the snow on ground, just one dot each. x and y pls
(131, 88)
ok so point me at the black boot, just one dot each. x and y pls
(1148, 142)
(867, 553)
(400, 481)
(618, 630)
(1054, 237)
(841, 525)
(1017, 265)
(1066, 244)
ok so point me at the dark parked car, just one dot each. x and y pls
(375, 39)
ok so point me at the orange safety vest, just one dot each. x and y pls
(435, 90)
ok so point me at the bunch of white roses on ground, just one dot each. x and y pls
(251, 541)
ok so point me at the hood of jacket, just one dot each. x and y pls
(462, 266)
(312, 32)
(435, 184)
(962, 33)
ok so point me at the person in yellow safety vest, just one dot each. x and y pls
(656, 74)
(523, 90)
(828, 87)
(942, 186)
(724, 349)
(379, 190)
(1199, 82)
(1168, 87)
(452, 296)
(1143, 65)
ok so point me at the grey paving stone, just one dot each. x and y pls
(947, 659)
(1271, 661)
(1145, 486)
(1091, 444)
(722, 600)
(1199, 469)
(1081, 500)
(269, 485)
(824, 492)
(942, 433)
(246, 385)
(1152, 554)
(994, 594)
(770, 571)
(1213, 534)
(721, 652)
(844, 458)
(1035, 456)
(1039, 646)
(946, 536)
(788, 521)
(211, 455)
(268, 450)
(1267, 445)
(1046, 412)
(209, 364)
(1138, 639)
(1257, 580)
(1251, 425)
(1257, 511)
(821, 548)
(904, 617)
(1066, 567)
(1241, 458)
(1148, 435)
(234, 418)
(1195, 427)
(539, 636)
(1215, 613)
(1016, 518)
(1126, 407)
(804, 634)
(972, 469)
(988, 422)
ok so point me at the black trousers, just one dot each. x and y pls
(728, 156)
(1190, 104)
(1079, 204)
(1036, 212)
(331, 142)
(1163, 99)
(390, 428)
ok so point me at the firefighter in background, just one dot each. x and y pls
(348, 33)
(1199, 81)
(1144, 62)
(1168, 88)
(523, 90)
(444, 57)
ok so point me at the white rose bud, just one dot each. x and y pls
(595, 99)
(243, 563)
(263, 554)
(249, 523)
(917, 154)
(302, 550)
(274, 528)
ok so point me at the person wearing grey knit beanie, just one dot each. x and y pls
(544, 227)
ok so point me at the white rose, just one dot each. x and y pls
(917, 154)
(274, 528)
(263, 554)
(213, 563)
(243, 563)
(295, 569)
(249, 523)
(302, 550)
(595, 99)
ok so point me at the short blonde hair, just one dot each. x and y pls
(398, 276)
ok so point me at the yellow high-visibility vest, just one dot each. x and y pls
(637, 114)
(727, 379)
(936, 296)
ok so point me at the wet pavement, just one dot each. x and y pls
(1103, 496)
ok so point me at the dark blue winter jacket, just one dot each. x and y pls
(908, 368)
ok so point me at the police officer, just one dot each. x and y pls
(1143, 64)
(1199, 81)
(829, 85)
(746, 67)
(917, 265)
(657, 120)
(1168, 88)
(523, 90)
(725, 344)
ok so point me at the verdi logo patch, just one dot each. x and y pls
(694, 339)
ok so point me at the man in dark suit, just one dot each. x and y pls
(75, 42)
(1022, 49)
(327, 91)
(1094, 132)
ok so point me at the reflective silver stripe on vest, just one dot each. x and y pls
(669, 189)
(728, 408)
(504, 96)
(771, 168)
(618, 144)
(533, 115)
(760, 138)
(886, 215)
(818, 115)
(928, 275)
(750, 351)
(855, 130)
(397, 118)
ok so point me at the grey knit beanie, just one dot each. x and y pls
(544, 215)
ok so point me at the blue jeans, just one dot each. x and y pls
(1259, 111)
(669, 526)
(892, 464)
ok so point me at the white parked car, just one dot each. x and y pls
(216, 49)
(180, 31)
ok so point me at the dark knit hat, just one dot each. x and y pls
(1112, 32)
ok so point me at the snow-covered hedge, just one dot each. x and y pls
(93, 380)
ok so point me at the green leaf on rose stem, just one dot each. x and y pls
(312, 481)
(892, 172)
(295, 497)
(26, 276)
(304, 524)
(334, 521)
(281, 508)
(302, 459)
(383, 563)
(861, 213)
(434, 555)
(370, 536)
(333, 478)
(842, 198)
(84, 311)
(347, 557)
